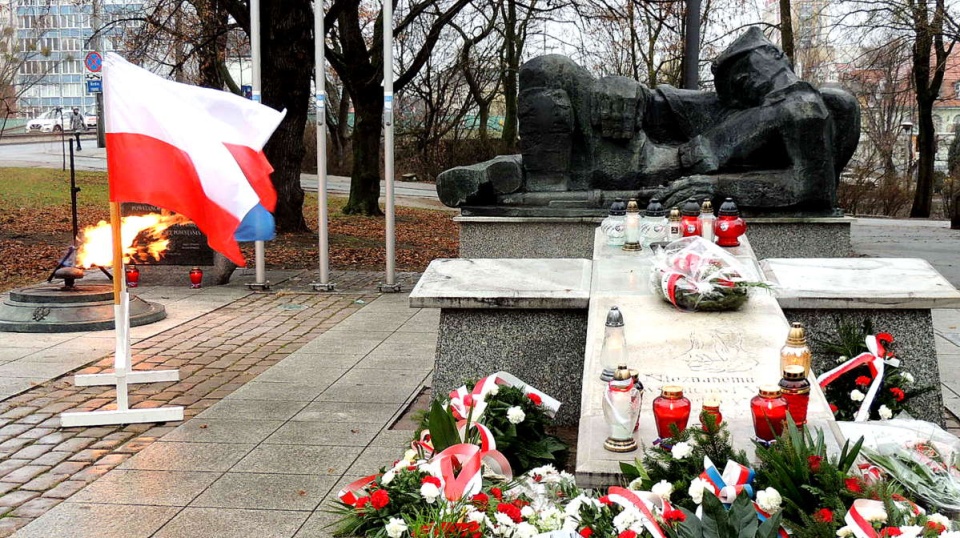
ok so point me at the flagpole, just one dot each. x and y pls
(389, 284)
(120, 312)
(259, 247)
(321, 111)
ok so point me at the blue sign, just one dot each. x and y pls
(247, 91)
(94, 86)
(93, 62)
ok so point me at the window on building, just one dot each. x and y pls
(956, 89)
(937, 123)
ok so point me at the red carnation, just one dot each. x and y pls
(480, 500)
(431, 480)
(627, 534)
(535, 398)
(586, 532)
(379, 499)
(497, 493)
(511, 511)
(891, 531)
(863, 381)
(898, 394)
(814, 462)
(361, 503)
(671, 516)
(853, 484)
(823, 515)
(935, 527)
(834, 408)
(605, 500)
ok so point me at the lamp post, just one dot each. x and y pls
(907, 127)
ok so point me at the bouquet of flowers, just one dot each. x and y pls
(696, 275)
(896, 517)
(922, 469)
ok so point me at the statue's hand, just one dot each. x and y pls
(617, 108)
(699, 187)
(697, 157)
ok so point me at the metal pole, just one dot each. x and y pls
(73, 196)
(321, 111)
(95, 23)
(691, 47)
(389, 284)
(259, 246)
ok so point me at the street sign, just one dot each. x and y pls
(94, 86)
(93, 61)
(93, 76)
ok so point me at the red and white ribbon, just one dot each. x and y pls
(487, 442)
(861, 515)
(874, 360)
(469, 459)
(485, 385)
(631, 500)
(351, 492)
(871, 473)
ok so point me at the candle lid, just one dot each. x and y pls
(794, 372)
(707, 207)
(769, 391)
(614, 318)
(691, 208)
(632, 206)
(672, 392)
(618, 208)
(711, 401)
(729, 208)
(655, 208)
(674, 214)
(797, 336)
(622, 373)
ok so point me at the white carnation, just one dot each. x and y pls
(857, 396)
(429, 492)
(843, 532)
(395, 527)
(410, 454)
(626, 519)
(503, 520)
(950, 534)
(387, 477)
(476, 516)
(550, 519)
(636, 484)
(907, 376)
(525, 530)
(911, 531)
(515, 415)
(769, 500)
(662, 488)
(527, 511)
(885, 412)
(681, 450)
(697, 485)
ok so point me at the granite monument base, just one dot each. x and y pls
(572, 236)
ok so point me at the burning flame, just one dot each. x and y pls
(96, 242)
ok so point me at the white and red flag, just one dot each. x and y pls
(195, 151)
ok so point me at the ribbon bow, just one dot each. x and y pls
(874, 359)
(727, 485)
(642, 501)
(461, 466)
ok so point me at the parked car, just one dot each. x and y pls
(48, 122)
(90, 119)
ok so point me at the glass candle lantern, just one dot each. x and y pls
(707, 220)
(132, 275)
(613, 351)
(613, 226)
(729, 226)
(690, 218)
(796, 350)
(653, 225)
(632, 227)
(674, 230)
(769, 411)
(711, 407)
(796, 391)
(671, 408)
(621, 411)
(196, 277)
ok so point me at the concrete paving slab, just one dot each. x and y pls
(376, 377)
(324, 433)
(233, 523)
(253, 410)
(349, 412)
(339, 361)
(223, 430)
(342, 392)
(153, 488)
(385, 359)
(266, 491)
(312, 371)
(298, 459)
(176, 456)
(77, 520)
(375, 457)
(355, 342)
(318, 525)
(257, 390)
(393, 438)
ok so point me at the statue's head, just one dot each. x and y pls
(745, 71)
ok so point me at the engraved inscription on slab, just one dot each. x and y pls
(188, 245)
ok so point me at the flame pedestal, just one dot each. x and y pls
(56, 309)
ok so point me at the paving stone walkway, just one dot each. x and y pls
(217, 353)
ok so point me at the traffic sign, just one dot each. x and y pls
(94, 86)
(93, 61)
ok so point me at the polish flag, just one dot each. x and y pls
(195, 151)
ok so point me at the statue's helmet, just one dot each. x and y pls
(750, 40)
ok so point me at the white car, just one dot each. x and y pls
(48, 122)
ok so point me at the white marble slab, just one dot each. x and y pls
(504, 283)
(858, 283)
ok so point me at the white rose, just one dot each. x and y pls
(626, 519)
(636, 484)
(525, 530)
(885, 412)
(843, 532)
(662, 488)
(681, 450)
(939, 518)
(387, 477)
(769, 500)
(527, 511)
(429, 492)
(907, 376)
(515, 415)
(396, 527)
(911, 531)
(695, 491)
(857, 396)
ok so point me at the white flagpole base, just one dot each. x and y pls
(146, 376)
(128, 416)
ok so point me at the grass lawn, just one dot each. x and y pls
(35, 229)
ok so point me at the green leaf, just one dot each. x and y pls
(771, 527)
(742, 517)
(630, 472)
(691, 526)
(714, 518)
(443, 429)
(847, 459)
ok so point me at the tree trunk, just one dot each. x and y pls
(511, 69)
(338, 135)
(955, 213)
(365, 179)
(287, 49)
(927, 151)
(483, 116)
(786, 30)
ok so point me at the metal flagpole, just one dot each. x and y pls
(259, 246)
(389, 284)
(321, 110)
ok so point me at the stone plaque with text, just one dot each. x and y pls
(188, 245)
